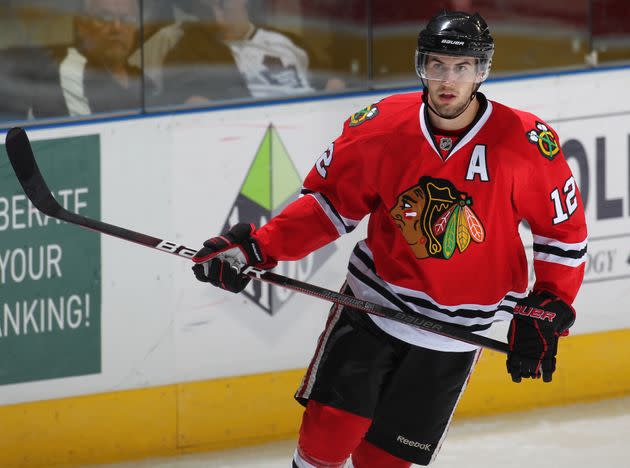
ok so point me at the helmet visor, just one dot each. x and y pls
(451, 68)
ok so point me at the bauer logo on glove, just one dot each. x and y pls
(534, 312)
(222, 259)
(539, 321)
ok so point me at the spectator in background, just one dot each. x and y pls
(162, 30)
(224, 41)
(269, 61)
(89, 76)
(198, 67)
(95, 75)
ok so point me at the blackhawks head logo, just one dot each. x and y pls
(545, 140)
(436, 219)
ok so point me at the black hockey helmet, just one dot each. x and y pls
(456, 33)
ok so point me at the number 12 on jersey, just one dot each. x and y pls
(569, 199)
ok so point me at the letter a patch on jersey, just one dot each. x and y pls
(478, 167)
(545, 140)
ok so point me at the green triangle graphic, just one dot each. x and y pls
(272, 177)
(257, 186)
(285, 179)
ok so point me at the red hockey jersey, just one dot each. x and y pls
(443, 236)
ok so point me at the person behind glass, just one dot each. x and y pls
(271, 62)
(446, 176)
(95, 75)
(198, 67)
(88, 76)
(224, 55)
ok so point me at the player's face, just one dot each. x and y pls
(451, 82)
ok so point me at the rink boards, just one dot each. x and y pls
(110, 350)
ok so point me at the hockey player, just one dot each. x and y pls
(446, 176)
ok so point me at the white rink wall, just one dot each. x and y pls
(177, 177)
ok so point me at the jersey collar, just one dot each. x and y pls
(481, 119)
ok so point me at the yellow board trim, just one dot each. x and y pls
(236, 411)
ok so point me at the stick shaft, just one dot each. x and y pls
(25, 166)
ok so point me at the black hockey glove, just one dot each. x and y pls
(222, 259)
(539, 321)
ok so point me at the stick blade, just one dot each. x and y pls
(23, 161)
(20, 153)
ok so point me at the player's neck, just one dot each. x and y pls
(461, 121)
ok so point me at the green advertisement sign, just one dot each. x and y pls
(50, 271)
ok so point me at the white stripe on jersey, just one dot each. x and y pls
(413, 335)
(342, 224)
(551, 258)
(561, 245)
(469, 135)
(551, 250)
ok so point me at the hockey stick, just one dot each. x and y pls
(23, 161)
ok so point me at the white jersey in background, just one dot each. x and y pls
(71, 76)
(271, 64)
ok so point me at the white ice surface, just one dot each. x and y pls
(590, 435)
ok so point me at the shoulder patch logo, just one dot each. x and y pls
(436, 219)
(367, 113)
(545, 140)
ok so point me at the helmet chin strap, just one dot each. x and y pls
(425, 99)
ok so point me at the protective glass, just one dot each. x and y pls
(451, 68)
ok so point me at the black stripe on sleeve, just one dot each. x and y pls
(332, 208)
(557, 251)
